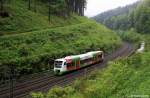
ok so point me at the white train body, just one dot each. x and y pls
(75, 62)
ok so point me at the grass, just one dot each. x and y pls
(30, 43)
(123, 78)
(35, 51)
(22, 20)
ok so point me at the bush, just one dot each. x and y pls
(130, 36)
(37, 95)
(122, 78)
(36, 51)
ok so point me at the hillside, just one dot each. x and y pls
(30, 44)
(141, 18)
(20, 19)
(138, 18)
(122, 78)
(113, 18)
(127, 77)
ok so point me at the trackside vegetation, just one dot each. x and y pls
(35, 32)
(130, 36)
(35, 51)
(122, 78)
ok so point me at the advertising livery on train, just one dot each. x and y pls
(75, 62)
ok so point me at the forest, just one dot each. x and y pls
(125, 18)
(49, 13)
(57, 7)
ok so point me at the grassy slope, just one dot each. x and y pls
(34, 43)
(39, 47)
(123, 78)
(23, 20)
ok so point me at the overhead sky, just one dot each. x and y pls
(95, 7)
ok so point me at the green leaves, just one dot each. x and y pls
(130, 36)
(122, 78)
(35, 51)
(142, 17)
(135, 16)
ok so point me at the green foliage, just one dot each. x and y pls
(142, 17)
(133, 16)
(58, 92)
(24, 50)
(30, 42)
(119, 18)
(122, 78)
(37, 95)
(22, 20)
(35, 51)
(130, 36)
(58, 6)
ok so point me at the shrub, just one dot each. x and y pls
(130, 36)
(36, 51)
(122, 78)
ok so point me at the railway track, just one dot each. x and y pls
(43, 83)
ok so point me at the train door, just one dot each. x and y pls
(75, 64)
(70, 66)
(78, 64)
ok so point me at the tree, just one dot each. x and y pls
(2, 5)
(142, 17)
(49, 10)
(29, 4)
(35, 4)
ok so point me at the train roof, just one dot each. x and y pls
(61, 59)
(81, 56)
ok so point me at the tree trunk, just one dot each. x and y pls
(35, 4)
(29, 6)
(49, 11)
(2, 5)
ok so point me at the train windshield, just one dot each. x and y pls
(58, 64)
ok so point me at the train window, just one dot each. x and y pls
(69, 64)
(58, 64)
(65, 63)
(77, 63)
(86, 61)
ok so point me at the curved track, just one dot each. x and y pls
(44, 83)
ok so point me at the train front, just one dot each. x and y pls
(59, 66)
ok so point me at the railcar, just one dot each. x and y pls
(75, 62)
